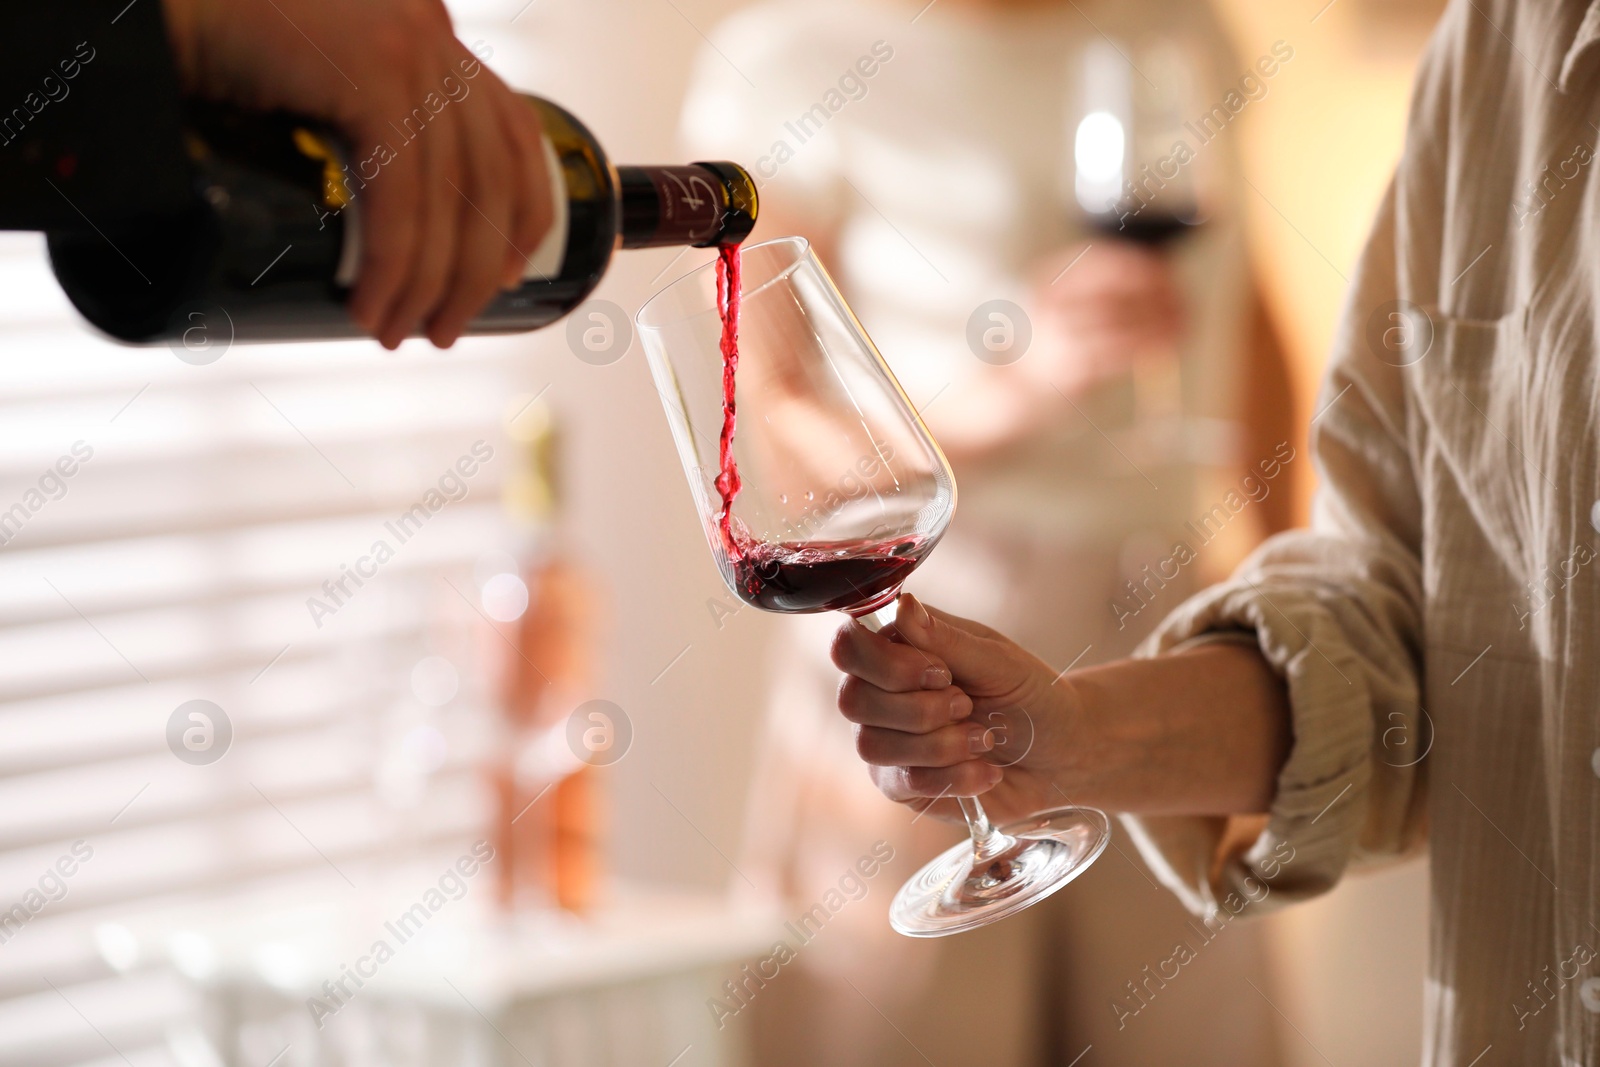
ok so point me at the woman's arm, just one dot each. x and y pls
(1198, 732)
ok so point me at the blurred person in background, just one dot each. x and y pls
(924, 152)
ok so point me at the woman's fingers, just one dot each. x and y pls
(921, 711)
(888, 665)
(944, 809)
(909, 784)
(978, 656)
(944, 747)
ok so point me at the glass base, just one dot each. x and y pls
(1048, 850)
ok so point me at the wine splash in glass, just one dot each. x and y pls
(820, 489)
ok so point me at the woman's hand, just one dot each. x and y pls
(945, 707)
(1095, 312)
(458, 202)
(950, 708)
(1098, 309)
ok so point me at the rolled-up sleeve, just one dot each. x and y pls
(1336, 611)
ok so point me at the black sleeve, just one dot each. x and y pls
(90, 127)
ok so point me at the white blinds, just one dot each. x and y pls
(205, 505)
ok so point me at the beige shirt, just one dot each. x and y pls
(1437, 625)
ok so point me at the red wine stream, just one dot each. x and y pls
(728, 469)
(784, 576)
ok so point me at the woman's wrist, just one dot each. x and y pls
(1199, 732)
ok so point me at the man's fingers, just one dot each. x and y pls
(429, 275)
(889, 665)
(389, 208)
(921, 711)
(944, 747)
(484, 206)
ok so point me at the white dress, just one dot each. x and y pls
(941, 172)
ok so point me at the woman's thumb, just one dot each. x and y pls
(973, 657)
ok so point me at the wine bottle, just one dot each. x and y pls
(269, 249)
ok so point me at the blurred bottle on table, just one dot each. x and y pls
(547, 820)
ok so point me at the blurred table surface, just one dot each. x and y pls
(627, 984)
(529, 953)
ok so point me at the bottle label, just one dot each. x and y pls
(548, 259)
(691, 204)
(544, 263)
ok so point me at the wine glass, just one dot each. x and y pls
(843, 493)
(1140, 171)
(1139, 166)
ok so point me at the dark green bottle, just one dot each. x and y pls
(268, 249)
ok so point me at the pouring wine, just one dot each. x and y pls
(820, 489)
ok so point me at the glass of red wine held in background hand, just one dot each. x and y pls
(820, 489)
(1139, 171)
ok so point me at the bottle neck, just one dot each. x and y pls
(702, 204)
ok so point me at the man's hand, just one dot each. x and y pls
(945, 707)
(453, 214)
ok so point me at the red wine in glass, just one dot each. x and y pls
(824, 575)
(794, 577)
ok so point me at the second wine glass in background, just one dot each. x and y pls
(1137, 173)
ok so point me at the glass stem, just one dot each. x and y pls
(879, 620)
(987, 842)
